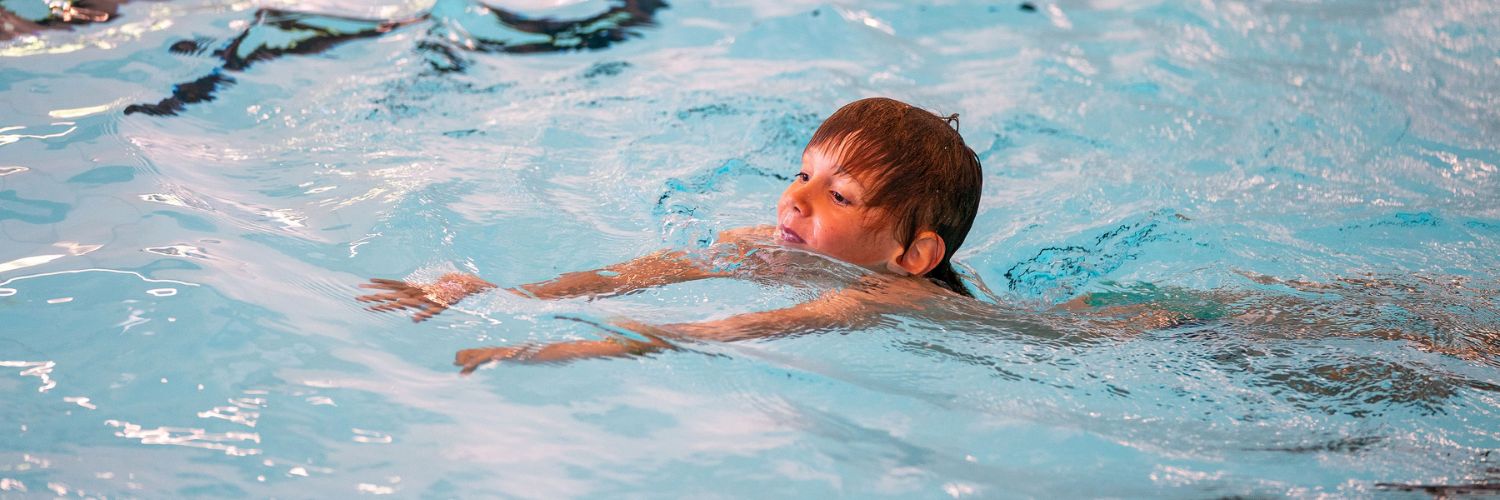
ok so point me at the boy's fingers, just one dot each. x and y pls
(432, 310)
(465, 358)
(475, 359)
(472, 356)
(472, 359)
(376, 297)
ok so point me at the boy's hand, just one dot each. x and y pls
(402, 295)
(428, 300)
(472, 359)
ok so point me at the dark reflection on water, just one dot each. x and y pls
(452, 29)
(199, 90)
(1344, 445)
(1069, 268)
(1445, 490)
(31, 211)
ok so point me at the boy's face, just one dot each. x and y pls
(823, 211)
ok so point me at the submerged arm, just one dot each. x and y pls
(835, 309)
(428, 300)
(840, 309)
(656, 269)
(1142, 306)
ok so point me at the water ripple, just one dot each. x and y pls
(188, 437)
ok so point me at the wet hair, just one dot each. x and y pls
(914, 165)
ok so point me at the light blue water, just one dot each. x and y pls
(176, 313)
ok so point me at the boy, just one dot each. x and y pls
(883, 185)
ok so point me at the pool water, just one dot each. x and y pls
(190, 192)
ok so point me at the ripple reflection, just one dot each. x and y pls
(188, 437)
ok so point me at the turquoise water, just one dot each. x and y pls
(191, 190)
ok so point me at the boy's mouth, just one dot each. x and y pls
(789, 236)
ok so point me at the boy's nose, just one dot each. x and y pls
(797, 199)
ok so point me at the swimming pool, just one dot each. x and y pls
(191, 190)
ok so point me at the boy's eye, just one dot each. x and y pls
(802, 176)
(839, 198)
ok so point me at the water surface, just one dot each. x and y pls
(190, 190)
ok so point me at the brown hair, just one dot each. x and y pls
(914, 165)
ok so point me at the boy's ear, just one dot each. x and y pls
(923, 253)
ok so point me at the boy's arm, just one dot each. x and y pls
(428, 300)
(832, 310)
(1142, 306)
(657, 269)
(837, 309)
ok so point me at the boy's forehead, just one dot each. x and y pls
(827, 156)
(837, 158)
(810, 158)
